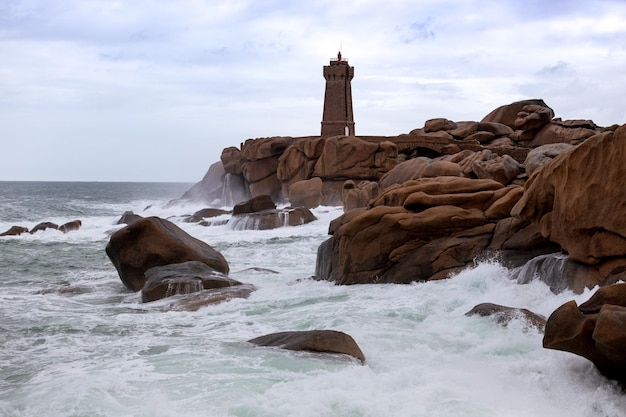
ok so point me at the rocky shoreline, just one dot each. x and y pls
(535, 192)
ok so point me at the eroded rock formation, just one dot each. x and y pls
(578, 200)
(421, 230)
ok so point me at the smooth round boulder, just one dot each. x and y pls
(323, 341)
(153, 241)
(306, 193)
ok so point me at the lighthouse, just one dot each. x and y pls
(337, 118)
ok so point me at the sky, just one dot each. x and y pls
(153, 90)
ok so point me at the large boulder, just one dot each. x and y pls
(183, 278)
(254, 205)
(578, 199)
(306, 193)
(355, 195)
(232, 160)
(420, 167)
(508, 113)
(434, 125)
(533, 116)
(595, 330)
(562, 132)
(321, 341)
(544, 154)
(503, 169)
(153, 241)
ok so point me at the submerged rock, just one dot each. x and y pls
(183, 278)
(153, 241)
(200, 299)
(322, 341)
(504, 315)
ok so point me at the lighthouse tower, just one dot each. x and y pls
(337, 118)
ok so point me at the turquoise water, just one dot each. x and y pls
(75, 342)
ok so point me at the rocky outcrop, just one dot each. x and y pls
(183, 278)
(320, 341)
(424, 229)
(306, 193)
(260, 164)
(568, 131)
(153, 241)
(578, 200)
(503, 315)
(595, 330)
(15, 231)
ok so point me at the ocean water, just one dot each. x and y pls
(75, 342)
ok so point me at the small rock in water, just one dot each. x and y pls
(44, 226)
(322, 341)
(504, 315)
(15, 231)
(70, 226)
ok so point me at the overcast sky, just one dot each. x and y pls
(142, 90)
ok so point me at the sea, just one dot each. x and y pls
(75, 342)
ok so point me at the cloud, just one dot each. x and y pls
(152, 84)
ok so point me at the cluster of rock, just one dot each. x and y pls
(65, 228)
(156, 257)
(534, 190)
(595, 330)
(309, 171)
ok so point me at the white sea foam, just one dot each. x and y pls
(76, 343)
